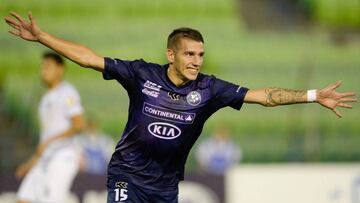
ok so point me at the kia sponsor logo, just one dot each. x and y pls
(164, 130)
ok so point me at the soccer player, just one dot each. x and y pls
(169, 105)
(218, 152)
(51, 170)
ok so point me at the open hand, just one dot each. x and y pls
(22, 28)
(331, 99)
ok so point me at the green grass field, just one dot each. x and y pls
(128, 30)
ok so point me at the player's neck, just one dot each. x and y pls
(54, 84)
(175, 77)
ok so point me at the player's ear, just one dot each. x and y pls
(170, 55)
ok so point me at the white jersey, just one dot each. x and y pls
(56, 109)
(43, 183)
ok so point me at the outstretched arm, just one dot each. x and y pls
(327, 97)
(29, 30)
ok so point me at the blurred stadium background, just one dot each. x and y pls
(300, 44)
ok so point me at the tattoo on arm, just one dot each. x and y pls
(281, 96)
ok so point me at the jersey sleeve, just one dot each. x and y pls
(73, 105)
(118, 69)
(228, 94)
(123, 71)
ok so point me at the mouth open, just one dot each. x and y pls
(192, 70)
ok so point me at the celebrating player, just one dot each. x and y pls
(169, 105)
(51, 170)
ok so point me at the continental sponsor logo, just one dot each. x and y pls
(167, 114)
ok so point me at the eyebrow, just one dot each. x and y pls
(193, 52)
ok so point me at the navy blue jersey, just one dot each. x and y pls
(164, 120)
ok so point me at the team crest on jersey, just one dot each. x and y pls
(193, 98)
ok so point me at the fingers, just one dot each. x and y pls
(16, 33)
(336, 85)
(337, 113)
(12, 23)
(31, 17)
(345, 105)
(16, 27)
(347, 94)
(17, 16)
(348, 100)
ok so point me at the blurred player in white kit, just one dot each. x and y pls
(49, 173)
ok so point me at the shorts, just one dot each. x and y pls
(50, 181)
(120, 190)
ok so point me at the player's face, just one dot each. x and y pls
(187, 59)
(51, 72)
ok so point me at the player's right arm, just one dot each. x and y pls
(30, 31)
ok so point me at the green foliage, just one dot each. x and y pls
(338, 13)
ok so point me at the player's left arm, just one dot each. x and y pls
(327, 97)
(77, 125)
